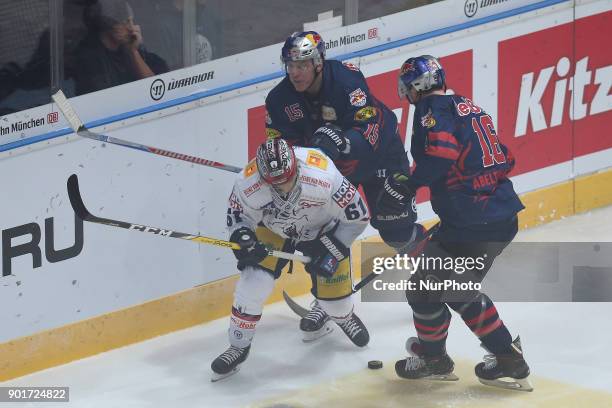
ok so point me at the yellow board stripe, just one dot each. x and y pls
(194, 306)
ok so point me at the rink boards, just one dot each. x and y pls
(70, 290)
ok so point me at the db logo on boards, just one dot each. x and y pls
(158, 89)
(52, 117)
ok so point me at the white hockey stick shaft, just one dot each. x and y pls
(80, 129)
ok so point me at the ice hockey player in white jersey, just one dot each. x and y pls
(292, 198)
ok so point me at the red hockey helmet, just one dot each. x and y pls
(276, 161)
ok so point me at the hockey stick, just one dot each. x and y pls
(302, 311)
(81, 211)
(80, 129)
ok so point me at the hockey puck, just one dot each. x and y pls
(375, 364)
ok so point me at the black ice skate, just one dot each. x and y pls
(228, 363)
(417, 365)
(508, 371)
(315, 324)
(355, 330)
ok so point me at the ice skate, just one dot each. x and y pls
(355, 330)
(417, 365)
(228, 363)
(508, 371)
(315, 324)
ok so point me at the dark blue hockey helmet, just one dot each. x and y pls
(305, 45)
(423, 73)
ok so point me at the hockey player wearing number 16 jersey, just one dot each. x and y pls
(291, 199)
(460, 158)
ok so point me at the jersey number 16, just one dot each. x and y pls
(491, 152)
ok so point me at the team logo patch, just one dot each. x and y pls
(316, 159)
(272, 133)
(351, 66)
(314, 38)
(328, 113)
(345, 193)
(428, 120)
(358, 97)
(366, 113)
(250, 169)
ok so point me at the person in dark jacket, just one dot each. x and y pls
(113, 53)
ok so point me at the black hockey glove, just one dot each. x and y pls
(329, 139)
(251, 250)
(326, 253)
(416, 246)
(396, 197)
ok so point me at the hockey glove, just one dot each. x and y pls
(329, 139)
(396, 197)
(326, 253)
(417, 244)
(251, 250)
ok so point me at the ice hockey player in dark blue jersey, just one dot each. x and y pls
(327, 104)
(460, 158)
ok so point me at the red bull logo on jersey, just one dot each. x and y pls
(358, 97)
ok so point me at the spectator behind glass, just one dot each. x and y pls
(162, 24)
(112, 53)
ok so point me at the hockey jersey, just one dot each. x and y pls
(321, 201)
(458, 155)
(345, 101)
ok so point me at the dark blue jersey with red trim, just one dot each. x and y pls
(345, 101)
(458, 155)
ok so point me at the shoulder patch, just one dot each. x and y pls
(428, 120)
(351, 66)
(365, 113)
(344, 194)
(272, 133)
(316, 159)
(250, 168)
(357, 97)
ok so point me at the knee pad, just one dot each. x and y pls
(338, 309)
(252, 290)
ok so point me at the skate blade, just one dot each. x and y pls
(217, 377)
(309, 337)
(522, 384)
(443, 377)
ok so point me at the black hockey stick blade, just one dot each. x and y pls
(294, 306)
(74, 194)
